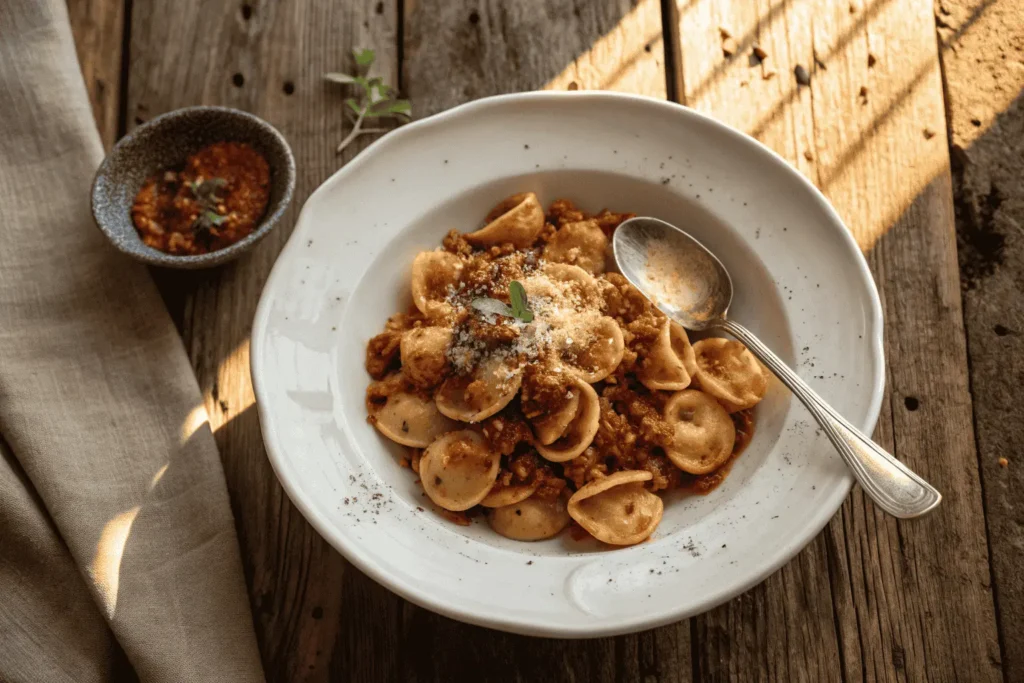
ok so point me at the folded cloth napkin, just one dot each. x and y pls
(115, 527)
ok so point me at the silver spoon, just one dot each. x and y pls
(690, 285)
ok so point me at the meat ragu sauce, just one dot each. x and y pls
(216, 199)
(650, 410)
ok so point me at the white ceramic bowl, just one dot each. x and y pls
(801, 285)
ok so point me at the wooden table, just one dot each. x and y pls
(870, 598)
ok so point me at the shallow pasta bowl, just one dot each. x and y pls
(801, 284)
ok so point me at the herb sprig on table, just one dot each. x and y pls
(519, 309)
(373, 98)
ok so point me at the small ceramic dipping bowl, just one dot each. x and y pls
(165, 142)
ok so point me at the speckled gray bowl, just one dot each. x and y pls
(165, 142)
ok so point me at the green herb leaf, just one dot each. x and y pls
(204, 221)
(214, 218)
(205, 192)
(391, 108)
(520, 306)
(491, 306)
(344, 79)
(373, 84)
(371, 97)
(364, 57)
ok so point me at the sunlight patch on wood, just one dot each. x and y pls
(878, 152)
(231, 392)
(629, 58)
(105, 568)
(707, 28)
(869, 108)
(981, 92)
(909, 133)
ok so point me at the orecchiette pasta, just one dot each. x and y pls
(516, 221)
(670, 363)
(703, 434)
(477, 396)
(728, 371)
(423, 352)
(617, 509)
(583, 244)
(458, 470)
(411, 420)
(592, 348)
(433, 272)
(580, 431)
(531, 519)
(550, 426)
(545, 390)
(564, 272)
(510, 495)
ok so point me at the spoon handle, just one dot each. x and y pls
(891, 484)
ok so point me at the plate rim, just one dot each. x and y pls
(275, 450)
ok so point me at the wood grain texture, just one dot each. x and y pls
(266, 57)
(871, 598)
(98, 27)
(983, 59)
(460, 50)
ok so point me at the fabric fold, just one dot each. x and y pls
(106, 488)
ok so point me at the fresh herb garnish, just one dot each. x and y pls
(205, 194)
(374, 98)
(519, 308)
(489, 306)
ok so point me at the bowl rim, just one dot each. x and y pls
(816, 520)
(156, 257)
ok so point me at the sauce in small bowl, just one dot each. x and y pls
(194, 188)
(216, 199)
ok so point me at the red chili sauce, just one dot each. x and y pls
(216, 199)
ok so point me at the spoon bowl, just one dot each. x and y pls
(690, 285)
(676, 272)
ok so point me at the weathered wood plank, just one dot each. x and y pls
(930, 583)
(784, 629)
(266, 57)
(983, 59)
(98, 26)
(485, 49)
(887, 600)
(488, 48)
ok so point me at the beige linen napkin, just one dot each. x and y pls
(114, 518)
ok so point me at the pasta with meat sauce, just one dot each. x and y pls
(535, 386)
